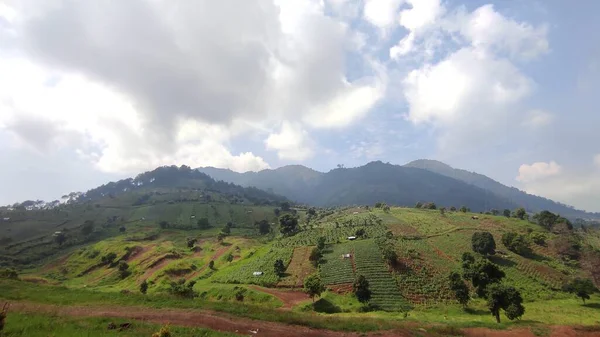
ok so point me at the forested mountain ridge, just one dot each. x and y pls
(523, 199)
(418, 181)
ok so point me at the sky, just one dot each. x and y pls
(92, 92)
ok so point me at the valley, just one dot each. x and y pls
(196, 252)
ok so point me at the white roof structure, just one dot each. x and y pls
(351, 237)
(257, 273)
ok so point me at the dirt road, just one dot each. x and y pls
(248, 327)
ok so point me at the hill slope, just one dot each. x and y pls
(365, 185)
(530, 202)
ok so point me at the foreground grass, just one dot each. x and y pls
(22, 291)
(36, 325)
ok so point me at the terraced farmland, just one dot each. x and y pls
(384, 290)
(335, 269)
(299, 268)
(263, 261)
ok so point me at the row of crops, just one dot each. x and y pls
(331, 233)
(262, 261)
(335, 269)
(384, 290)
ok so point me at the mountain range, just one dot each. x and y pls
(418, 181)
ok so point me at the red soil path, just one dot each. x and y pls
(217, 255)
(243, 326)
(289, 298)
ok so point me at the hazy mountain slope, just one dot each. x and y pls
(293, 181)
(367, 184)
(530, 202)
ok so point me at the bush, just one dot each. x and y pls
(144, 287)
(516, 243)
(180, 288)
(163, 332)
(483, 243)
(9, 273)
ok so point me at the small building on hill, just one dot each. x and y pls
(346, 256)
(257, 273)
(352, 238)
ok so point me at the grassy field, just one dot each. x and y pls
(38, 325)
(428, 244)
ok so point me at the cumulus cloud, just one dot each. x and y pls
(135, 79)
(382, 13)
(537, 118)
(537, 171)
(291, 142)
(573, 185)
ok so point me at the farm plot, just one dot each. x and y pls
(384, 290)
(331, 233)
(299, 268)
(335, 269)
(263, 261)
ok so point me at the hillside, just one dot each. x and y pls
(368, 184)
(428, 245)
(530, 202)
(178, 196)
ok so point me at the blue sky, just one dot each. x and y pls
(96, 92)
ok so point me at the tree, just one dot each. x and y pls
(520, 213)
(184, 290)
(229, 257)
(481, 272)
(124, 269)
(163, 224)
(321, 243)
(386, 208)
(108, 258)
(191, 242)
(506, 213)
(360, 233)
(516, 243)
(430, 205)
(315, 256)
(459, 288)
(122, 229)
(501, 297)
(419, 205)
(288, 224)
(312, 211)
(9, 273)
(361, 289)
(60, 238)
(277, 211)
(211, 264)
(443, 211)
(203, 223)
(285, 206)
(313, 286)
(87, 228)
(483, 243)
(279, 267)
(263, 227)
(389, 254)
(495, 212)
(226, 230)
(144, 287)
(582, 288)
(463, 209)
(453, 209)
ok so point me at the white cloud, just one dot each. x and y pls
(418, 20)
(538, 171)
(291, 142)
(572, 185)
(382, 13)
(597, 160)
(538, 118)
(487, 29)
(141, 84)
(462, 86)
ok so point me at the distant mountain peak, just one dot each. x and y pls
(428, 163)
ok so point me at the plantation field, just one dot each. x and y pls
(299, 268)
(335, 269)
(384, 290)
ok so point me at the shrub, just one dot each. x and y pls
(144, 287)
(483, 243)
(163, 332)
(516, 243)
(180, 288)
(9, 273)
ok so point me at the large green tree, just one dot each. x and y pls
(502, 297)
(361, 289)
(459, 288)
(313, 286)
(483, 243)
(481, 272)
(288, 224)
(582, 288)
(517, 243)
(279, 267)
